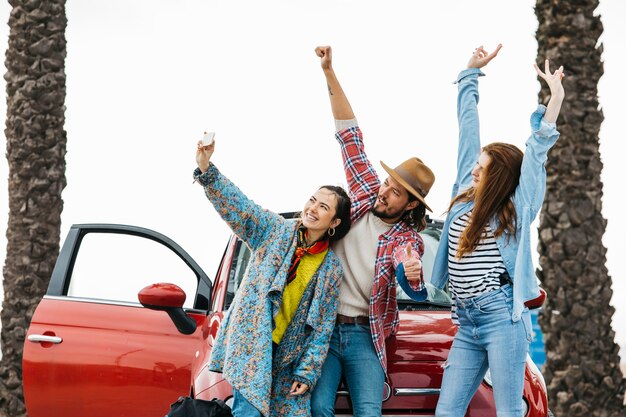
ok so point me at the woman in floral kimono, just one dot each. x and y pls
(274, 338)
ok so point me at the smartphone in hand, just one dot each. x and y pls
(208, 138)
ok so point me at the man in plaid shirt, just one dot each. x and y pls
(383, 245)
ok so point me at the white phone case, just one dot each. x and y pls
(208, 138)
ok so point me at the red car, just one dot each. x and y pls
(92, 349)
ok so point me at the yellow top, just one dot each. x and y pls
(294, 291)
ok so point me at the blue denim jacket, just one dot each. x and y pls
(528, 196)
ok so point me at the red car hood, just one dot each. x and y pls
(423, 335)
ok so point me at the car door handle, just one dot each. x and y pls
(41, 338)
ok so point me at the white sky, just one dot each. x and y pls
(145, 78)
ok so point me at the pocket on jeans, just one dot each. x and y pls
(364, 327)
(527, 325)
(498, 304)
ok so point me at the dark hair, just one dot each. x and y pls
(492, 197)
(342, 212)
(416, 217)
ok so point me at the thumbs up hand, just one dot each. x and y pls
(412, 265)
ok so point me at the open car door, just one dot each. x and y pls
(91, 348)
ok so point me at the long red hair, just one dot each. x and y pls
(492, 196)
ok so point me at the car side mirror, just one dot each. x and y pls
(169, 298)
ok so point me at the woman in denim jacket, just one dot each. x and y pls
(274, 338)
(484, 254)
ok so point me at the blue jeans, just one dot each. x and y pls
(242, 408)
(487, 338)
(352, 355)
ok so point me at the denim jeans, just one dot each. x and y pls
(241, 406)
(351, 355)
(487, 338)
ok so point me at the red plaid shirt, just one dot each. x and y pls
(364, 184)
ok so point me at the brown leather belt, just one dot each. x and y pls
(341, 319)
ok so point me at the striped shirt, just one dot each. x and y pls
(477, 272)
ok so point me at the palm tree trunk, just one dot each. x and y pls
(582, 362)
(36, 146)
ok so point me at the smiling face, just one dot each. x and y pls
(477, 172)
(319, 212)
(392, 201)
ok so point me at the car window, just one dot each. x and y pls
(428, 259)
(237, 271)
(116, 267)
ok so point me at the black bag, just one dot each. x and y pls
(192, 407)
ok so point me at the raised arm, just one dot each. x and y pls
(338, 101)
(247, 219)
(363, 182)
(532, 184)
(467, 115)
